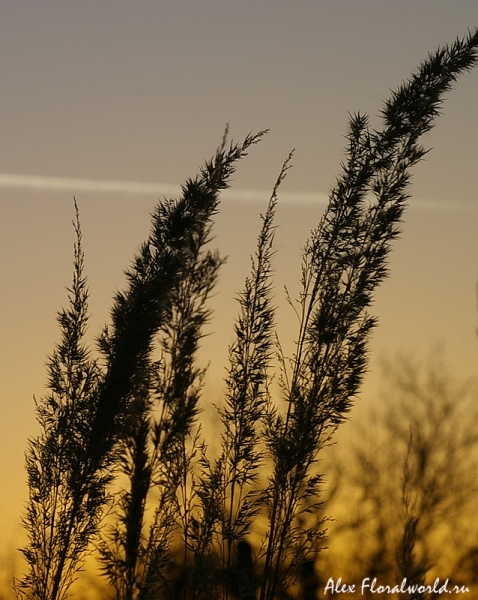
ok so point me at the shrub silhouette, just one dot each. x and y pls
(131, 413)
(407, 479)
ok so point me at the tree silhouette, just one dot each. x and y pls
(408, 476)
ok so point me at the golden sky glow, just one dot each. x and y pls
(121, 92)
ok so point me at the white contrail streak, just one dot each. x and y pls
(36, 182)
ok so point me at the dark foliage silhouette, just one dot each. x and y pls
(407, 475)
(187, 524)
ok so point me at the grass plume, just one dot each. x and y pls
(70, 463)
(345, 260)
(131, 413)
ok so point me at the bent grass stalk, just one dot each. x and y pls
(70, 463)
(344, 261)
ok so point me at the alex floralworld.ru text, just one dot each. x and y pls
(371, 586)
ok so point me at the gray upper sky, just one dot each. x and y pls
(141, 91)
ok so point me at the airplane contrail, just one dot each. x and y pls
(37, 182)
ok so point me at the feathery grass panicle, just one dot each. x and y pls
(178, 386)
(58, 530)
(98, 403)
(344, 261)
(166, 465)
(247, 391)
(137, 315)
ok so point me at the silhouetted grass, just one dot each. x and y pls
(134, 415)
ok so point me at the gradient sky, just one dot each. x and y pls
(140, 92)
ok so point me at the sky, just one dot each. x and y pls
(118, 102)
